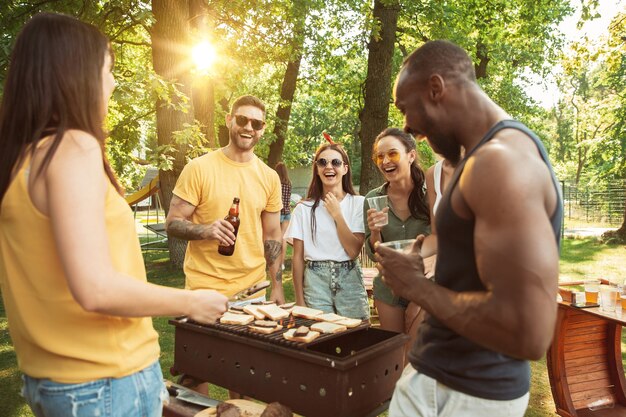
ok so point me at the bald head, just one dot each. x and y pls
(439, 57)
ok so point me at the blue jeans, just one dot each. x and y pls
(336, 287)
(138, 395)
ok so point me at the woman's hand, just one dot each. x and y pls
(207, 306)
(376, 217)
(333, 206)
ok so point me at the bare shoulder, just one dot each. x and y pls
(430, 179)
(78, 167)
(430, 172)
(81, 140)
(76, 147)
(509, 167)
(79, 143)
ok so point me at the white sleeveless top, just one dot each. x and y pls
(437, 184)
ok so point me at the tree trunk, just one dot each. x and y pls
(375, 114)
(222, 130)
(169, 31)
(203, 96)
(483, 60)
(288, 87)
(204, 108)
(283, 112)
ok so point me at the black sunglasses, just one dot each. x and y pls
(242, 121)
(322, 162)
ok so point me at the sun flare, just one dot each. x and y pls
(203, 55)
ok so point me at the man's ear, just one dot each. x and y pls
(436, 87)
(228, 119)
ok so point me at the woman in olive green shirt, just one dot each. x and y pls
(394, 153)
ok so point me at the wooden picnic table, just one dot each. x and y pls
(585, 362)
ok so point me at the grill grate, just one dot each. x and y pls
(277, 337)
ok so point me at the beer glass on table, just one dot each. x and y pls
(592, 289)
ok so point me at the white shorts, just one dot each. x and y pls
(418, 395)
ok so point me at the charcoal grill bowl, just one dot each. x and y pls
(345, 375)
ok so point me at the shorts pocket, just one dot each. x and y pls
(84, 399)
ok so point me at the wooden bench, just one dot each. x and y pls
(585, 362)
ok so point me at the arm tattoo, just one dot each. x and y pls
(272, 250)
(184, 229)
(279, 275)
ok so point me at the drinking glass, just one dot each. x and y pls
(592, 288)
(608, 297)
(379, 203)
(401, 245)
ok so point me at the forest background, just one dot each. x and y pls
(329, 65)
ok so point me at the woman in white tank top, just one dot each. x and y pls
(437, 179)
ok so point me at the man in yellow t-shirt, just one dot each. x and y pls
(202, 198)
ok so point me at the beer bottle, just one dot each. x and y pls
(232, 218)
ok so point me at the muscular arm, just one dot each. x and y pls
(272, 245)
(178, 224)
(516, 256)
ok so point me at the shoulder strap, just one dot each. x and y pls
(437, 177)
(502, 124)
(514, 124)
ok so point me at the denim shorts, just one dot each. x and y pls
(138, 395)
(285, 217)
(336, 287)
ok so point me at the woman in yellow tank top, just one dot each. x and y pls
(72, 275)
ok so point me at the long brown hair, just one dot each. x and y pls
(281, 169)
(316, 188)
(417, 199)
(53, 84)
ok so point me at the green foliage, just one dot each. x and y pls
(616, 80)
(589, 136)
(254, 39)
(191, 139)
(504, 37)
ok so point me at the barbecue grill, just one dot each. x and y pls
(349, 374)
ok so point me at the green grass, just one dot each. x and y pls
(588, 258)
(579, 258)
(12, 404)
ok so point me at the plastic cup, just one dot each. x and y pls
(592, 288)
(400, 245)
(608, 296)
(379, 203)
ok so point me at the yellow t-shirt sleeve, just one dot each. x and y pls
(188, 186)
(275, 200)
